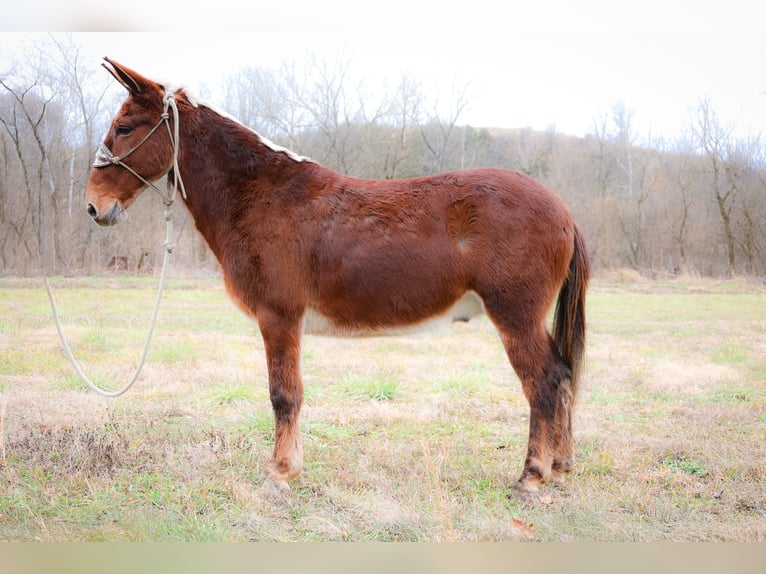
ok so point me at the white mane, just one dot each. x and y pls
(197, 102)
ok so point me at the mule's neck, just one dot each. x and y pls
(227, 167)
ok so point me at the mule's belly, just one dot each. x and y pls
(465, 308)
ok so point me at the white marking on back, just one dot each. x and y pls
(278, 148)
(197, 102)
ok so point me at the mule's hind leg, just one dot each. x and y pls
(546, 382)
(282, 340)
(563, 452)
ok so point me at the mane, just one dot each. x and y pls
(198, 102)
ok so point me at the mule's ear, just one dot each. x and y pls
(132, 81)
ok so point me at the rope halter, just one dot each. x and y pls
(105, 157)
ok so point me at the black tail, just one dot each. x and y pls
(569, 317)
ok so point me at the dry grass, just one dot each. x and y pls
(408, 438)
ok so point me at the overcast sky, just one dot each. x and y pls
(539, 64)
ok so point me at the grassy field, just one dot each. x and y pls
(406, 438)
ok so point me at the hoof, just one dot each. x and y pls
(276, 488)
(561, 469)
(283, 473)
(526, 489)
(529, 483)
(558, 478)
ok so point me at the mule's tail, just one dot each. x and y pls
(569, 317)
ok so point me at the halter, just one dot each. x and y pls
(105, 157)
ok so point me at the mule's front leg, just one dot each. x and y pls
(281, 337)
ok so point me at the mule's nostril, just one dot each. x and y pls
(92, 211)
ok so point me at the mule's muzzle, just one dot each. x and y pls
(115, 214)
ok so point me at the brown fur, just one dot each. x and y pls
(293, 237)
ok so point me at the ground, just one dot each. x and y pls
(414, 438)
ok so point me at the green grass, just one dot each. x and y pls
(174, 352)
(405, 439)
(367, 386)
(595, 460)
(730, 353)
(682, 464)
(69, 380)
(230, 393)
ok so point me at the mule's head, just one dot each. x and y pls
(112, 186)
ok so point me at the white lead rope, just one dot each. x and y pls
(104, 157)
(68, 350)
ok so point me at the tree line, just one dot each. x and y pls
(693, 205)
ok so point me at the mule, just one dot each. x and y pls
(305, 249)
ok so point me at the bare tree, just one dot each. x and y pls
(331, 111)
(648, 207)
(86, 90)
(24, 121)
(633, 188)
(682, 181)
(715, 141)
(389, 129)
(439, 132)
(269, 102)
(749, 218)
(598, 172)
(532, 152)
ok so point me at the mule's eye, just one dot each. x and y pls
(123, 130)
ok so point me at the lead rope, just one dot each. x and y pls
(169, 101)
